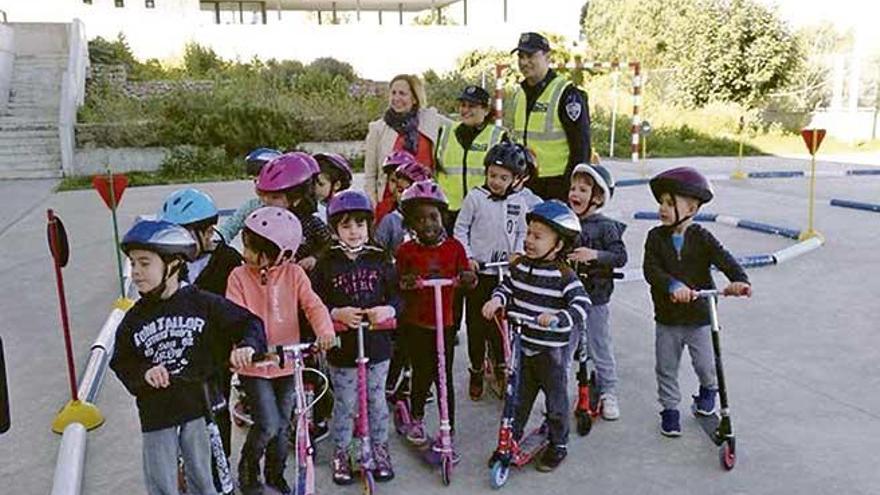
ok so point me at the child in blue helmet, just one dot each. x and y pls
(357, 281)
(254, 162)
(195, 211)
(163, 353)
(543, 286)
(679, 255)
(598, 251)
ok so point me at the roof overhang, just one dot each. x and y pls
(353, 5)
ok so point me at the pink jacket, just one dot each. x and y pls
(277, 302)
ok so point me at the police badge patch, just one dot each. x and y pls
(573, 110)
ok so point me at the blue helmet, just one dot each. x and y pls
(557, 216)
(163, 238)
(188, 206)
(259, 157)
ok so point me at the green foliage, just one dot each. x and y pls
(334, 68)
(728, 50)
(102, 51)
(443, 91)
(200, 62)
(184, 163)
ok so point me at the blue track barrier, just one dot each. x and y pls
(844, 203)
(631, 182)
(864, 171)
(778, 174)
(769, 229)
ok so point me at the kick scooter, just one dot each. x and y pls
(497, 379)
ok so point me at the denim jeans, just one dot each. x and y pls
(272, 403)
(545, 372)
(160, 449)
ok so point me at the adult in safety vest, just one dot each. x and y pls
(551, 117)
(463, 147)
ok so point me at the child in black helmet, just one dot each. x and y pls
(679, 256)
(599, 250)
(491, 226)
(542, 285)
(163, 353)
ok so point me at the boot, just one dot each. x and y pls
(475, 389)
(274, 475)
(249, 477)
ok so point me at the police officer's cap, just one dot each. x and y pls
(531, 43)
(475, 94)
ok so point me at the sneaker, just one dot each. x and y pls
(319, 431)
(551, 457)
(416, 434)
(704, 402)
(670, 425)
(430, 397)
(341, 466)
(436, 448)
(475, 389)
(383, 470)
(610, 409)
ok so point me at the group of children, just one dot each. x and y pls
(316, 252)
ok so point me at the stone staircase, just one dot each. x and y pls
(30, 145)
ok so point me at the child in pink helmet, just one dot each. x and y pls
(277, 291)
(390, 233)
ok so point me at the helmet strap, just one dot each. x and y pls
(678, 218)
(155, 294)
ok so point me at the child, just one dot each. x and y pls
(542, 285)
(334, 176)
(276, 290)
(430, 255)
(195, 211)
(598, 251)
(491, 226)
(286, 182)
(389, 201)
(254, 162)
(678, 257)
(163, 354)
(357, 280)
(390, 233)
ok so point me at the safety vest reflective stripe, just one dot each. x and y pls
(462, 170)
(541, 130)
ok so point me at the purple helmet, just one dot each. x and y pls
(339, 164)
(426, 191)
(286, 171)
(279, 226)
(682, 181)
(396, 159)
(347, 202)
(413, 171)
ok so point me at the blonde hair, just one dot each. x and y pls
(415, 87)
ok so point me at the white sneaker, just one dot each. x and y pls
(610, 409)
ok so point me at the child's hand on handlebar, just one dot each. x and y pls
(241, 357)
(546, 319)
(683, 295)
(468, 279)
(348, 316)
(474, 265)
(491, 307)
(583, 255)
(326, 342)
(738, 289)
(409, 282)
(158, 377)
(379, 314)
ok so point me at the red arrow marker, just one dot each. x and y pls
(101, 184)
(809, 135)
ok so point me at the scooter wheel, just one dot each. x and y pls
(498, 474)
(368, 484)
(727, 454)
(446, 471)
(401, 418)
(584, 422)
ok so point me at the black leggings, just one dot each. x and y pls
(421, 347)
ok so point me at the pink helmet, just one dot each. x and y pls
(286, 171)
(425, 191)
(413, 171)
(396, 159)
(279, 226)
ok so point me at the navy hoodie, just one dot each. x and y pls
(605, 235)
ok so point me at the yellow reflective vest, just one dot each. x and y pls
(462, 169)
(541, 130)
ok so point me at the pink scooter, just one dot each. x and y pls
(402, 416)
(364, 462)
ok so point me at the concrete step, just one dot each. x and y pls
(15, 124)
(27, 134)
(31, 148)
(30, 162)
(38, 173)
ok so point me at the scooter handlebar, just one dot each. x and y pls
(520, 318)
(389, 324)
(436, 282)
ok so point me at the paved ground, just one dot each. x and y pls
(801, 354)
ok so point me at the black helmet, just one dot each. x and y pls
(682, 181)
(509, 155)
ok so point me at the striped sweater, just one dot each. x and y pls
(534, 288)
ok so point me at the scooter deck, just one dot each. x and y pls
(709, 424)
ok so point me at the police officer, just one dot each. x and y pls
(551, 117)
(463, 146)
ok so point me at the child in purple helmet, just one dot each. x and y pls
(679, 255)
(430, 255)
(287, 182)
(357, 280)
(390, 233)
(254, 162)
(334, 176)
